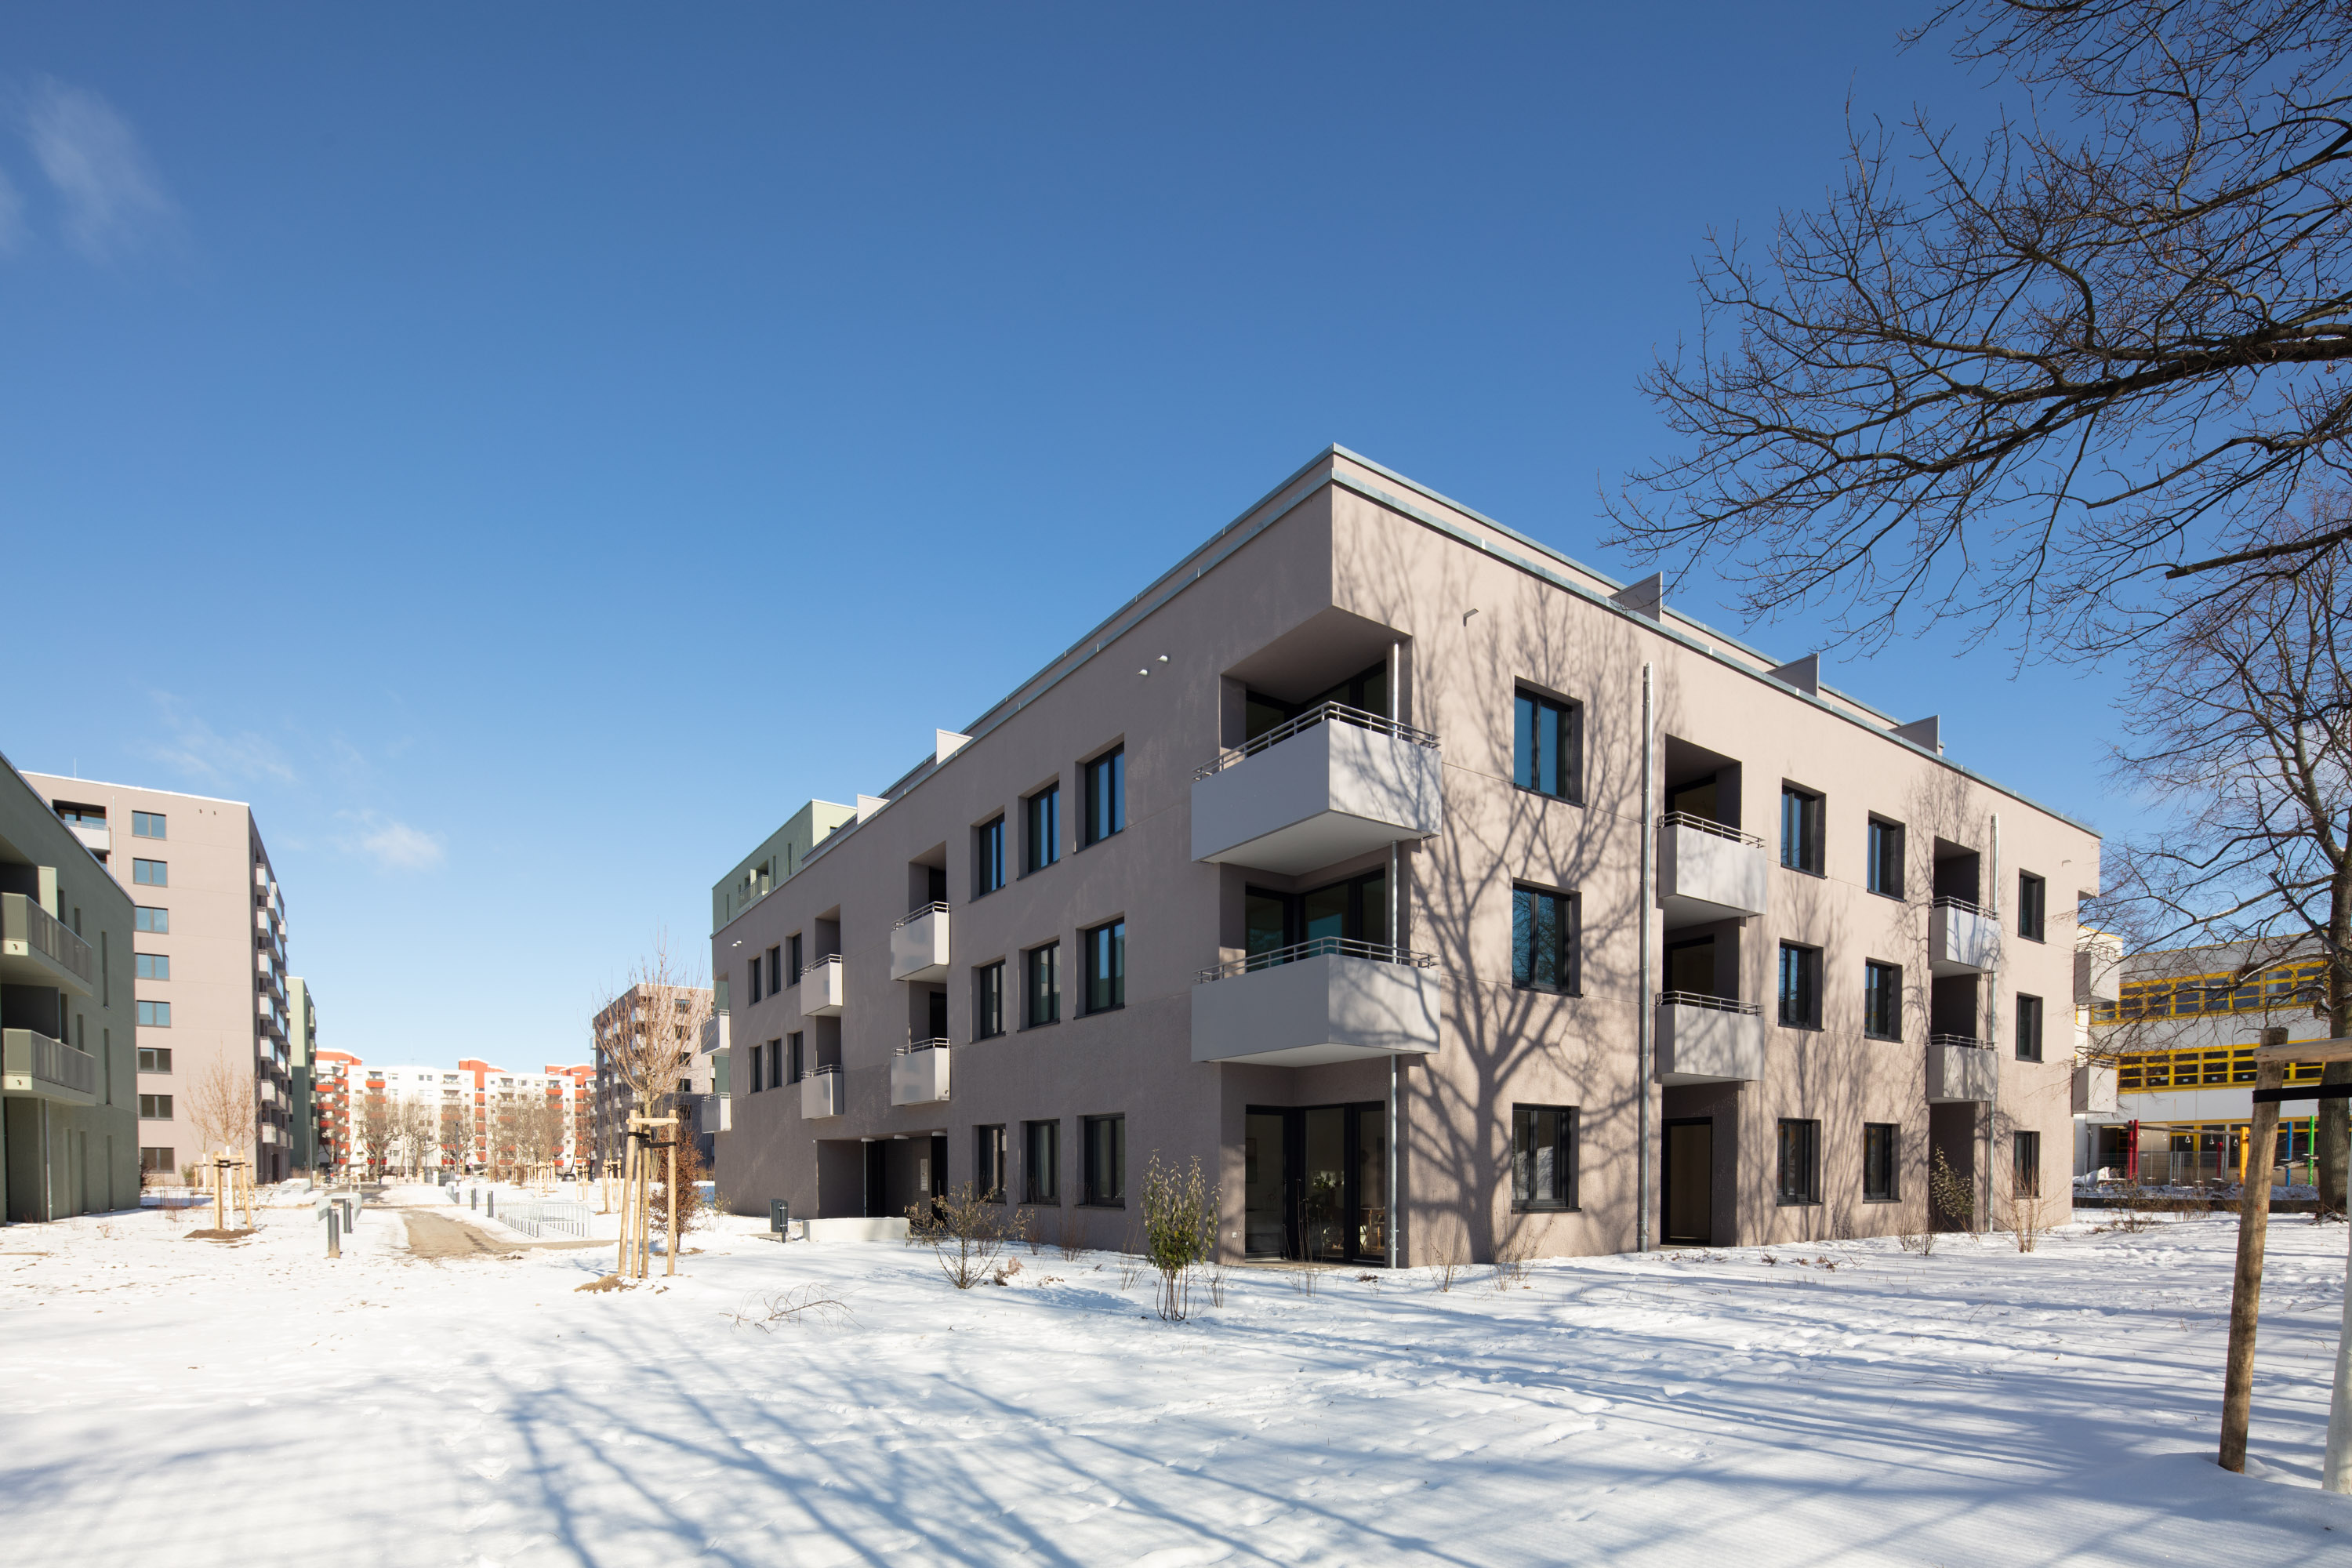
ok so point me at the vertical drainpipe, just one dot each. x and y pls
(1992, 1021)
(1645, 1013)
(1396, 944)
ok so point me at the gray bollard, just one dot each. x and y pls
(334, 1236)
(490, 1206)
(473, 1197)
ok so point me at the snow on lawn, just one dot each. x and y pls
(170, 1400)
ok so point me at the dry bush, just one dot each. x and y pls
(1510, 1264)
(1451, 1262)
(2026, 1216)
(1071, 1239)
(1950, 1194)
(1180, 1230)
(1305, 1279)
(693, 1213)
(966, 1230)
(1919, 1241)
(764, 1311)
(1218, 1274)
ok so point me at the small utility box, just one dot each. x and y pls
(780, 1218)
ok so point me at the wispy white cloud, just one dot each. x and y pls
(392, 845)
(202, 751)
(11, 215)
(113, 200)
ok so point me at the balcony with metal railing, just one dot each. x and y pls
(1960, 1070)
(1962, 939)
(1705, 1038)
(1331, 782)
(919, 1073)
(1707, 871)
(821, 1092)
(1330, 999)
(38, 949)
(820, 988)
(34, 1065)
(919, 944)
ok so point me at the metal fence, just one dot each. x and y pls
(534, 1217)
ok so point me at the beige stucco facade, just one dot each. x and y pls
(226, 948)
(1348, 570)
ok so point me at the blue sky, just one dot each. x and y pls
(431, 397)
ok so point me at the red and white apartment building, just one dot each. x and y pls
(472, 1117)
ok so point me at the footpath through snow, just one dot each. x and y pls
(168, 1400)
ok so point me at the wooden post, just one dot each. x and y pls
(220, 1205)
(627, 1266)
(2253, 1231)
(670, 1250)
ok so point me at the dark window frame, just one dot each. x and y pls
(775, 970)
(990, 1159)
(1093, 1192)
(2033, 905)
(1103, 781)
(988, 1000)
(1885, 1161)
(155, 1107)
(1529, 707)
(1811, 848)
(155, 1059)
(1872, 1028)
(1567, 958)
(1040, 829)
(1799, 1147)
(1799, 1008)
(988, 857)
(796, 1054)
(151, 873)
(1049, 1191)
(150, 824)
(793, 959)
(1525, 1128)
(1111, 935)
(2030, 1017)
(143, 919)
(152, 1015)
(151, 966)
(2025, 1170)
(1879, 830)
(1048, 953)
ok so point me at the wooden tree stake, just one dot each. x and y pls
(2253, 1232)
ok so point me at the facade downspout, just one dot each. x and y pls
(1645, 1011)
(1396, 944)
(1992, 1021)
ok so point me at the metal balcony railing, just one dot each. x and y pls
(1968, 1041)
(813, 965)
(1708, 825)
(1321, 713)
(1709, 1000)
(820, 1070)
(28, 1053)
(938, 1043)
(911, 916)
(1316, 947)
(1946, 901)
(27, 921)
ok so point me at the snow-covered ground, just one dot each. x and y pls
(175, 1401)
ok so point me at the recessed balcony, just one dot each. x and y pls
(1329, 1000)
(36, 1067)
(1332, 782)
(38, 949)
(821, 1093)
(1707, 871)
(919, 1073)
(1962, 938)
(1960, 1070)
(820, 988)
(1704, 1039)
(2095, 1089)
(919, 944)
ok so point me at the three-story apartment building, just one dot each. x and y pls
(1442, 897)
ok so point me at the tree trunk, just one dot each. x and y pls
(2335, 1120)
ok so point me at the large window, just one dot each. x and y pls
(1106, 794)
(1355, 911)
(988, 1162)
(151, 873)
(1800, 829)
(988, 1001)
(1882, 1001)
(1879, 1142)
(796, 1055)
(1800, 1162)
(2028, 1175)
(155, 1108)
(155, 1059)
(147, 918)
(1106, 947)
(2032, 894)
(154, 1014)
(1547, 746)
(1041, 1162)
(153, 1159)
(151, 965)
(1044, 983)
(146, 825)
(793, 959)
(988, 857)
(755, 978)
(1800, 986)
(1543, 1156)
(2028, 1029)
(1543, 940)
(1040, 825)
(1106, 1147)
(1885, 870)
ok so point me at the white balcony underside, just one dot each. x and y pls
(1708, 1044)
(1961, 941)
(919, 948)
(1329, 1008)
(920, 1078)
(1961, 1074)
(1703, 875)
(1325, 795)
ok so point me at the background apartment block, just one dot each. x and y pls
(468, 1118)
(656, 1007)
(302, 1056)
(210, 966)
(68, 1094)
(1377, 849)
(333, 1077)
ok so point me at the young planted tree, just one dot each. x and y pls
(966, 1229)
(2012, 378)
(646, 1038)
(2239, 717)
(1180, 1230)
(222, 1110)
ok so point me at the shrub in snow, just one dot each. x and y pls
(1180, 1230)
(965, 1230)
(1948, 1194)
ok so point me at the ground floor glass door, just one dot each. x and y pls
(1690, 1183)
(1316, 1182)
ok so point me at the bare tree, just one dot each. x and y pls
(375, 1129)
(2014, 380)
(412, 1126)
(222, 1109)
(649, 1037)
(2241, 713)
